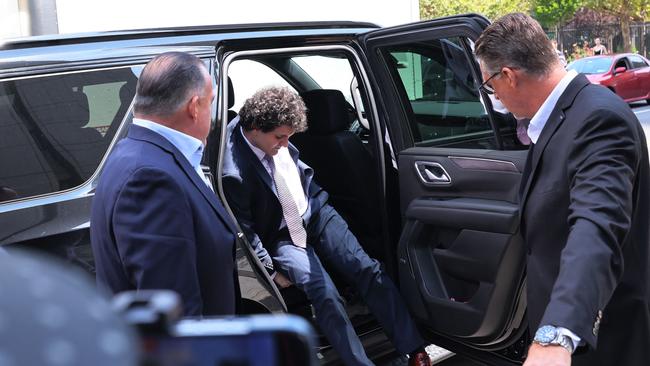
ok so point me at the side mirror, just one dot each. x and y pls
(619, 70)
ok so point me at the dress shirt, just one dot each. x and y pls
(191, 148)
(538, 121)
(285, 165)
(535, 128)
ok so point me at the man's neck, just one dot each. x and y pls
(543, 87)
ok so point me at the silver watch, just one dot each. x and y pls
(548, 335)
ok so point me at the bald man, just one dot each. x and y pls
(156, 223)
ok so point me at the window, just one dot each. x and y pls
(446, 108)
(54, 130)
(328, 72)
(249, 76)
(637, 62)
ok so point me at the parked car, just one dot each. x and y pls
(427, 177)
(626, 74)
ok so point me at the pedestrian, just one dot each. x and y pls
(584, 203)
(598, 48)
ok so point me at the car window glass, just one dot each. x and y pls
(637, 62)
(621, 63)
(437, 80)
(328, 72)
(592, 65)
(54, 130)
(248, 76)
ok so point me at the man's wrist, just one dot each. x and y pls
(549, 335)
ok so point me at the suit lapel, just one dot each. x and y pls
(141, 133)
(554, 121)
(243, 150)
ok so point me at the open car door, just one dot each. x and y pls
(459, 258)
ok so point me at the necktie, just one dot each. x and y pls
(289, 207)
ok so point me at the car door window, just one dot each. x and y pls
(637, 62)
(55, 129)
(248, 76)
(446, 107)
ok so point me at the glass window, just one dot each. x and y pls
(437, 80)
(637, 62)
(249, 76)
(54, 130)
(328, 72)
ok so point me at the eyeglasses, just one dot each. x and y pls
(487, 89)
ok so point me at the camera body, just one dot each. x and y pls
(169, 340)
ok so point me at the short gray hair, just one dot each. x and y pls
(518, 41)
(270, 108)
(167, 82)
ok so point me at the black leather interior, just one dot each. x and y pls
(342, 164)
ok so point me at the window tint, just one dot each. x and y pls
(637, 62)
(437, 80)
(54, 130)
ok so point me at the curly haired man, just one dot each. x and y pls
(287, 220)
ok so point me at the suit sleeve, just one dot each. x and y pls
(601, 169)
(239, 200)
(153, 227)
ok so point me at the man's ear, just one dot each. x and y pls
(193, 108)
(510, 76)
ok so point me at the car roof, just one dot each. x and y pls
(52, 39)
(29, 54)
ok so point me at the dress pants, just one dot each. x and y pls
(331, 241)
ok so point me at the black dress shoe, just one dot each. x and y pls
(419, 358)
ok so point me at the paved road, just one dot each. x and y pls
(642, 111)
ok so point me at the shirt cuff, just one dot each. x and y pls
(574, 338)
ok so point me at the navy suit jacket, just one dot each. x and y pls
(156, 225)
(585, 218)
(250, 192)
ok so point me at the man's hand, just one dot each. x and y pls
(551, 355)
(281, 280)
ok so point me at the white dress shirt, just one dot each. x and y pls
(191, 148)
(284, 165)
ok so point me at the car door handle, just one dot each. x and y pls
(432, 173)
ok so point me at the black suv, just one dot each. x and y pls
(416, 160)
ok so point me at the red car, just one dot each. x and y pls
(626, 74)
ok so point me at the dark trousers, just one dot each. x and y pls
(330, 241)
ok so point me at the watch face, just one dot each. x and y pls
(546, 334)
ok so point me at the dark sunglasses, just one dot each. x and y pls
(487, 89)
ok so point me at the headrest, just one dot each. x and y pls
(326, 111)
(76, 109)
(231, 94)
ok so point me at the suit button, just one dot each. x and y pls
(529, 251)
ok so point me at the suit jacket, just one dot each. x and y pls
(251, 194)
(156, 225)
(585, 211)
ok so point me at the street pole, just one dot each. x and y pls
(42, 17)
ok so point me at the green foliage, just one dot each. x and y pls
(631, 9)
(492, 9)
(551, 13)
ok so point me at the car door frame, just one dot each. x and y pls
(393, 115)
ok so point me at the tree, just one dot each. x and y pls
(554, 13)
(492, 9)
(626, 11)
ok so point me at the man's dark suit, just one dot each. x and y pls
(251, 194)
(155, 224)
(585, 218)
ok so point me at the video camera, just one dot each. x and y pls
(169, 340)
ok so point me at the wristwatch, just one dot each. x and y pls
(548, 335)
